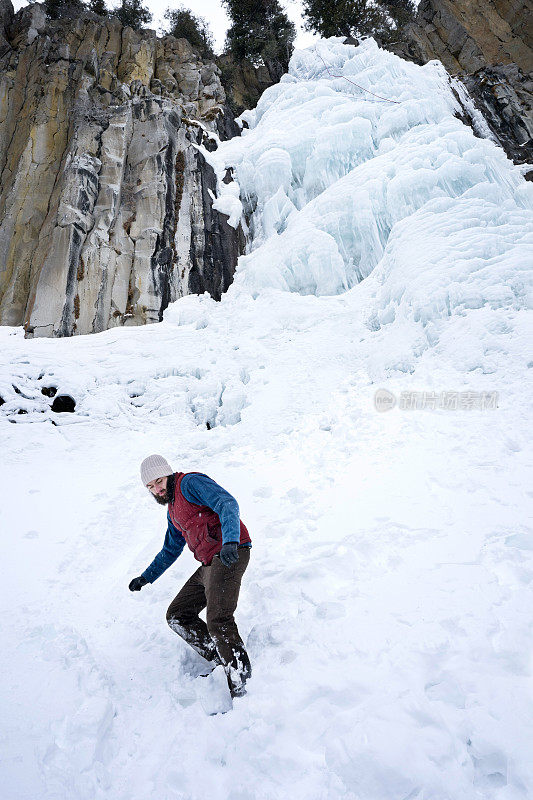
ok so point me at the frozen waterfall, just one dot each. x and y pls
(336, 183)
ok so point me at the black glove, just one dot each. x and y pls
(137, 584)
(229, 554)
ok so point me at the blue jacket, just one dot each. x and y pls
(203, 491)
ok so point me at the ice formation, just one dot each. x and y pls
(336, 181)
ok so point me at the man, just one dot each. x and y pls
(204, 516)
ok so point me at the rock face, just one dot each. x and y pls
(488, 46)
(245, 82)
(504, 94)
(466, 35)
(6, 18)
(105, 211)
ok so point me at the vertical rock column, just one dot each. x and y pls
(105, 216)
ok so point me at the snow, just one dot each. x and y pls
(387, 606)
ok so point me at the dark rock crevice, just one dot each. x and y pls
(504, 96)
(162, 262)
(219, 243)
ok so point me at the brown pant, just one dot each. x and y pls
(217, 588)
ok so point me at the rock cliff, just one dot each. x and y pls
(105, 210)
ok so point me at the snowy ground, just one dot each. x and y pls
(387, 606)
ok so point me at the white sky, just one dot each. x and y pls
(214, 13)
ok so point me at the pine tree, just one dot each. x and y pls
(262, 32)
(186, 25)
(383, 19)
(98, 7)
(401, 11)
(56, 9)
(133, 14)
(343, 17)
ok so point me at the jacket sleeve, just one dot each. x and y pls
(172, 548)
(204, 491)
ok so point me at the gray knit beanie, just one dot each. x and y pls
(154, 467)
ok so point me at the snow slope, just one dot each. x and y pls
(387, 606)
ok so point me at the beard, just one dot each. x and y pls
(169, 494)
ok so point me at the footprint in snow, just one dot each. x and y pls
(296, 495)
(263, 491)
(330, 610)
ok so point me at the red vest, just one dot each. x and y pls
(200, 525)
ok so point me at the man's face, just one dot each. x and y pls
(159, 490)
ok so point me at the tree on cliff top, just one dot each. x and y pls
(401, 11)
(56, 9)
(132, 14)
(186, 25)
(98, 7)
(358, 17)
(261, 32)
